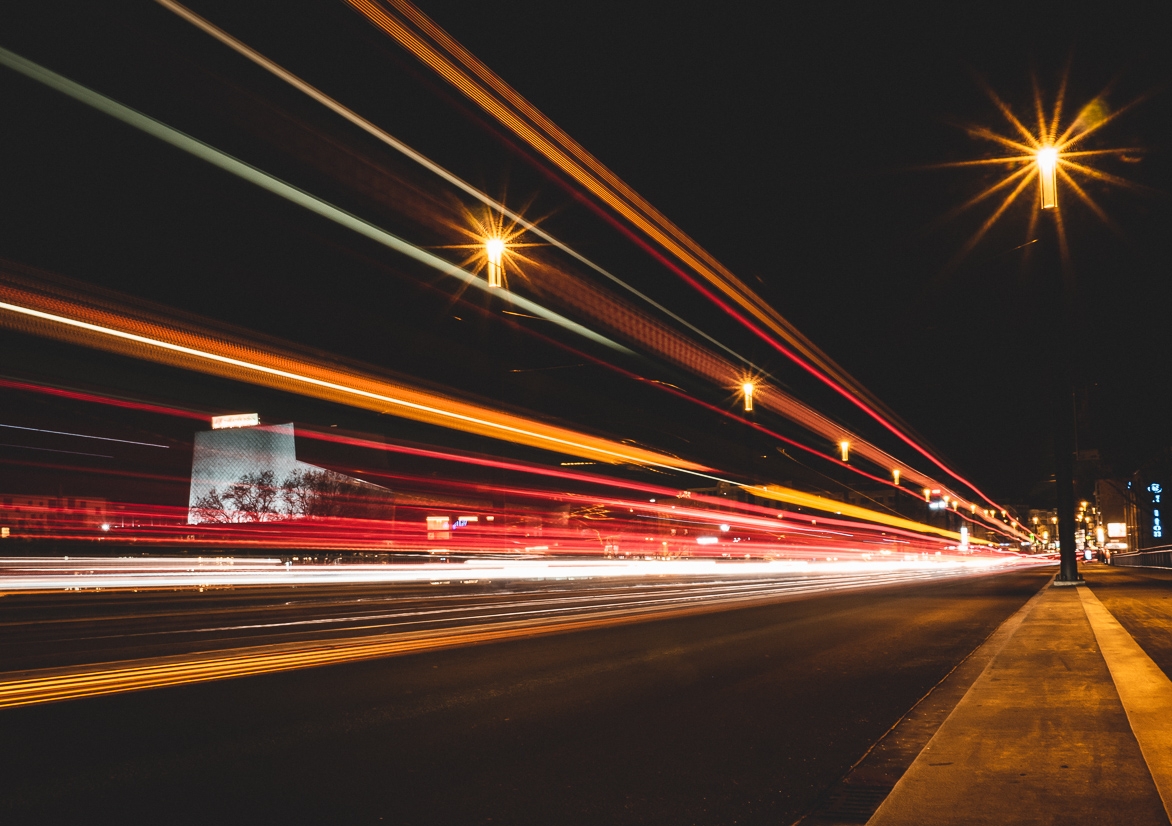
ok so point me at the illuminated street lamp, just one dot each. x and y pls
(494, 250)
(1050, 152)
(1047, 160)
(747, 390)
(845, 447)
(895, 475)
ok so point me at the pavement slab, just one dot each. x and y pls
(1041, 737)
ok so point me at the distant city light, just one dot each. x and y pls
(705, 540)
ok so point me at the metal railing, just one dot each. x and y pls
(1151, 558)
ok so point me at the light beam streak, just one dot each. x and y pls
(430, 43)
(562, 616)
(394, 143)
(252, 363)
(276, 186)
(81, 435)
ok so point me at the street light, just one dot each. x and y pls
(1050, 152)
(1047, 160)
(895, 476)
(747, 390)
(494, 250)
(845, 447)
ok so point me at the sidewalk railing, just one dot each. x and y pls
(1151, 558)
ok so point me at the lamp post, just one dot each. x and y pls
(1061, 342)
(747, 390)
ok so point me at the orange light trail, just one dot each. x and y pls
(420, 411)
(104, 329)
(439, 51)
(516, 219)
(555, 285)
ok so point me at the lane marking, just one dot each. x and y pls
(1144, 689)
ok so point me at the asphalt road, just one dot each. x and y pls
(54, 629)
(738, 716)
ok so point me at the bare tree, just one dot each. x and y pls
(319, 494)
(251, 498)
(304, 493)
(254, 497)
(210, 509)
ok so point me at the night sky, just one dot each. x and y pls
(786, 138)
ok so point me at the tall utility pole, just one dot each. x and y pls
(1055, 283)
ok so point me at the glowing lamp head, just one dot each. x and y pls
(1047, 160)
(494, 250)
(895, 475)
(845, 447)
(747, 390)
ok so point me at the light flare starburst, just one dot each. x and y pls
(1045, 153)
(494, 246)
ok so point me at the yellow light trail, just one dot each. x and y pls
(64, 319)
(809, 500)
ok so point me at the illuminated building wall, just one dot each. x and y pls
(222, 457)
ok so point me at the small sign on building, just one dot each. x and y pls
(235, 420)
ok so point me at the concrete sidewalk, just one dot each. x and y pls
(1071, 723)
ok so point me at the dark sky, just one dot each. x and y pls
(783, 137)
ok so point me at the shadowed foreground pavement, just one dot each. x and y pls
(741, 716)
(1071, 722)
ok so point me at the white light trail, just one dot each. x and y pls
(42, 574)
(276, 186)
(396, 144)
(82, 435)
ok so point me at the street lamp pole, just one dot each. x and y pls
(1062, 344)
